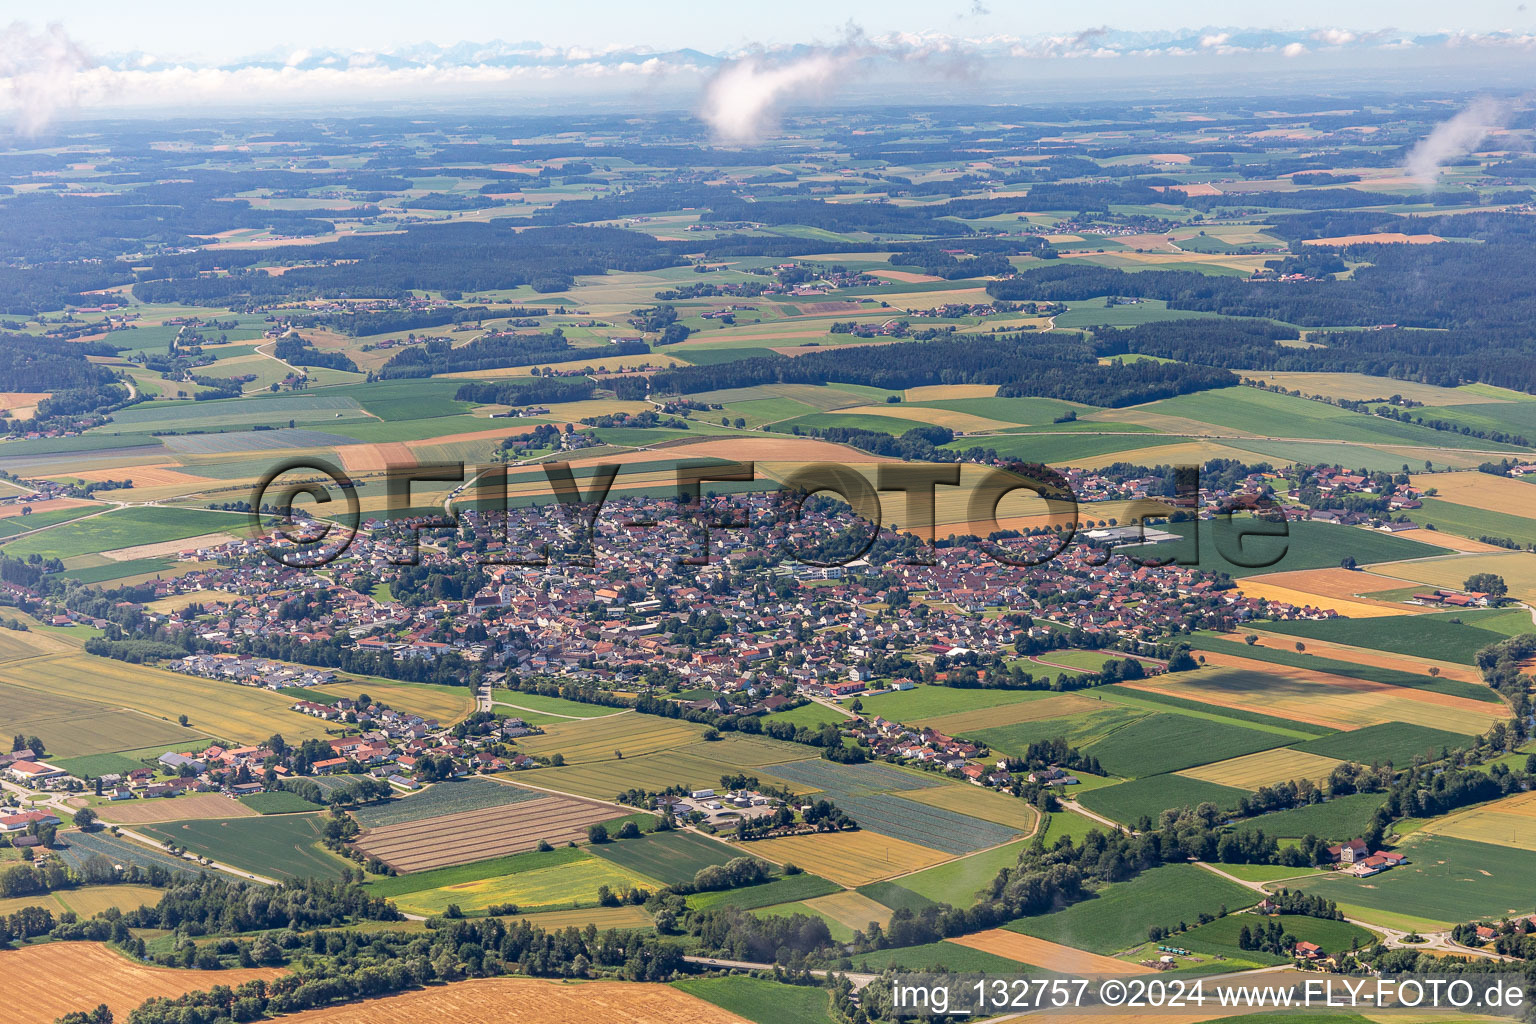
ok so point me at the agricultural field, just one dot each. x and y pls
(1337, 819)
(468, 836)
(1049, 955)
(1508, 822)
(278, 802)
(1424, 636)
(670, 857)
(1304, 545)
(570, 884)
(77, 847)
(760, 1000)
(988, 805)
(1167, 742)
(1397, 742)
(1446, 880)
(1117, 917)
(1266, 768)
(1127, 802)
(178, 808)
(275, 846)
(926, 704)
(612, 737)
(95, 974)
(958, 881)
(943, 955)
(453, 797)
(796, 888)
(849, 858)
(447, 704)
(127, 528)
(1220, 936)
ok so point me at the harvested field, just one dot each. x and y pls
(164, 474)
(23, 404)
(1321, 698)
(848, 858)
(476, 835)
(947, 392)
(524, 1001)
(904, 276)
(38, 508)
(1360, 387)
(373, 458)
(1345, 585)
(1481, 490)
(180, 808)
(1375, 238)
(977, 803)
(602, 739)
(1256, 587)
(1012, 714)
(1364, 656)
(852, 909)
(1029, 950)
(1507, 822)
(46, 982)
(170, 547)
(1265, 769)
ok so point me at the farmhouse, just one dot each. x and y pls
(1348, 853)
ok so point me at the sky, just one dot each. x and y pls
(204, 32)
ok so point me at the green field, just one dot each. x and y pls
(280, 802)
(1341, 818)
(442, 798)
(1475, 522)
(1235, 716)
(1377, 674)
(1260, 549)
(1419, 636)
(810, 716)
(1118, 916)
(277, 846)
(94, 765)
(125, 527)
(942, 957)
(1398, 742)
(1079, 730)
(930, 701)
(1445, 880)
(119, 570)
(670, 857)
(958, 881)
(1128, 801)
(439, 878)
(571, 884)
(1220, 936)
(12, 525)
(895, 896)
(1169, 742)
(788, 889)
(763, 1001)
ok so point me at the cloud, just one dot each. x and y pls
(745, 95)
(39, 74)
(1294, 49)
(1455, 137)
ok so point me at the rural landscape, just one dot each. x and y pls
(610, 564)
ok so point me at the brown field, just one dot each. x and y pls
(476, 835)
(23, 404)
(1263, 587)
(527, 1001)
(1196, 189)
(94, 899)
(1482, 490)
(1027, 949)
(945, 392)
(46, 982)
(373, 458)
(163, 474)
(601, 918)
(1379, 237)
(1012, 714)
(853, 909)
(1320, 698)
(1344, 584)
(1265, 768)
(1465, 544)
(170, 547)
(904, 276)
(978, 803)
(1362, 656)
(176, 602)
(51, 505)
(177, 808)
(848, 858)
(1360, 387)
(1507, 822)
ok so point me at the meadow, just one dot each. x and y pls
(278, 802)
(671, 857)
(1220, 936)
(958, 881)
(1446, 880)
(277, 846)
(123, 528)
(1118, 916)
(783, 889)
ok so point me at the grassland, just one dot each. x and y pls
(925, 702)
(1118, 916)
(785, 889)
(1129, 801)
(761, 1000)
(670, 857)
(123, 528)
(278, 802)
(1446, 880)
(277, 846)
(1340, 818)
(1168, 742)
(958, 881)
(942, 956)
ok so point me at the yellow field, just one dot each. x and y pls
(1184, 453)
(985, 804)
(1265, 768)
(597, 361)
(946, 392)
(561, 885)
(957, 421)
(848, 858)
(611, 738)
(1507, 822)
(1362, 656)
(94, 899)
(178, 808)
(1339, 702)
(1254, 587)
(853, 909)
(1014, 713)
(601, 918)
(46, 982)
(525, 1001)
(447, 704)
(1482, 490)
(1027, 949)
(604, 780)
(176, 602)
(242, 714)
(1450, 571)
(1360, 387)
